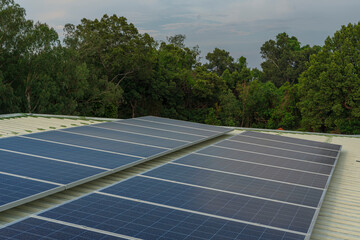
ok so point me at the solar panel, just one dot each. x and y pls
(264, 159)
(284, 145)
(182, 123)
(34, 228)
(296, 141)
(52, 161)
(201, 196)
(277, 152)
(148, 221)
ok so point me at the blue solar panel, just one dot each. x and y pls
(130, 137)
(97, 143)
(219, 203)
(182, 123)
(277, 152)
(238, 184)
(33, 228)
(67, 153)
(44, 169)
(121, 126)
(209, 197)
(80, 154)
(15, 188)
(268, 160)
(181, 129)
(147, 221)
(284, 145)
(259, 171)
(304, 142)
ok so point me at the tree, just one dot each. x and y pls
(330, 87)
(286, 114)
(120, 63)
(171, 84)
(219, 61)
(177, 40)
(284, 59)
(36, 65)
(13, 26)
(257, 103)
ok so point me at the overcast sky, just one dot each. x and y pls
(238, 26)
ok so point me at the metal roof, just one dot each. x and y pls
(339, 217)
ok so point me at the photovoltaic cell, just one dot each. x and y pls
(293, 140)
(67, 153)
(147, 221)
(249, 169)
(100, 144)
(70, 157)
(130, 137)
(238, 184)
(120, 126)
(277, 152)
(33, 228)
(182, 123)
(249, 196)
(175, 128)
(15, 188)
(44, 169)
(268, 160)
(223, 204)
(284, 145)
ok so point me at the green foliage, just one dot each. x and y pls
(330, 87)
(257, 103)
(106, 68)
(284, 59)
(286, 115)
(219, 61)
(211, 118)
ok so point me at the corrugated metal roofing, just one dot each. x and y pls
(339, 217)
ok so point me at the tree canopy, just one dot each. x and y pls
(105, 67)
(330, 86)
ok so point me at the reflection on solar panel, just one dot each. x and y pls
(35, 165)
(225, 191)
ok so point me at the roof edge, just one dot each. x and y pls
(13, 115)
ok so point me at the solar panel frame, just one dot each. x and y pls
(217, 198)
(34, 228)
(172, 127)
(120, 126)
(334, 147)
(107, 133)
(241, 184)
(256, 158)
(249, 169)
(313, 220)
(278, 152)
(52, 189)
(267, 233)
(105, 173)
(308, 143)
(311, 228)
(44, 169)
(289, 146)
(175, 121)
(67, 153)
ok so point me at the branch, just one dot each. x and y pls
(121, 74)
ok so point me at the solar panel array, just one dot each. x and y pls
(39, 164)
(250, 186)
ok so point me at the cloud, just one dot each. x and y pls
(52, 15)
(239, 26)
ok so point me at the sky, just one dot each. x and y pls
(238, 26)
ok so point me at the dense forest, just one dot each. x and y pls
(106, 68)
